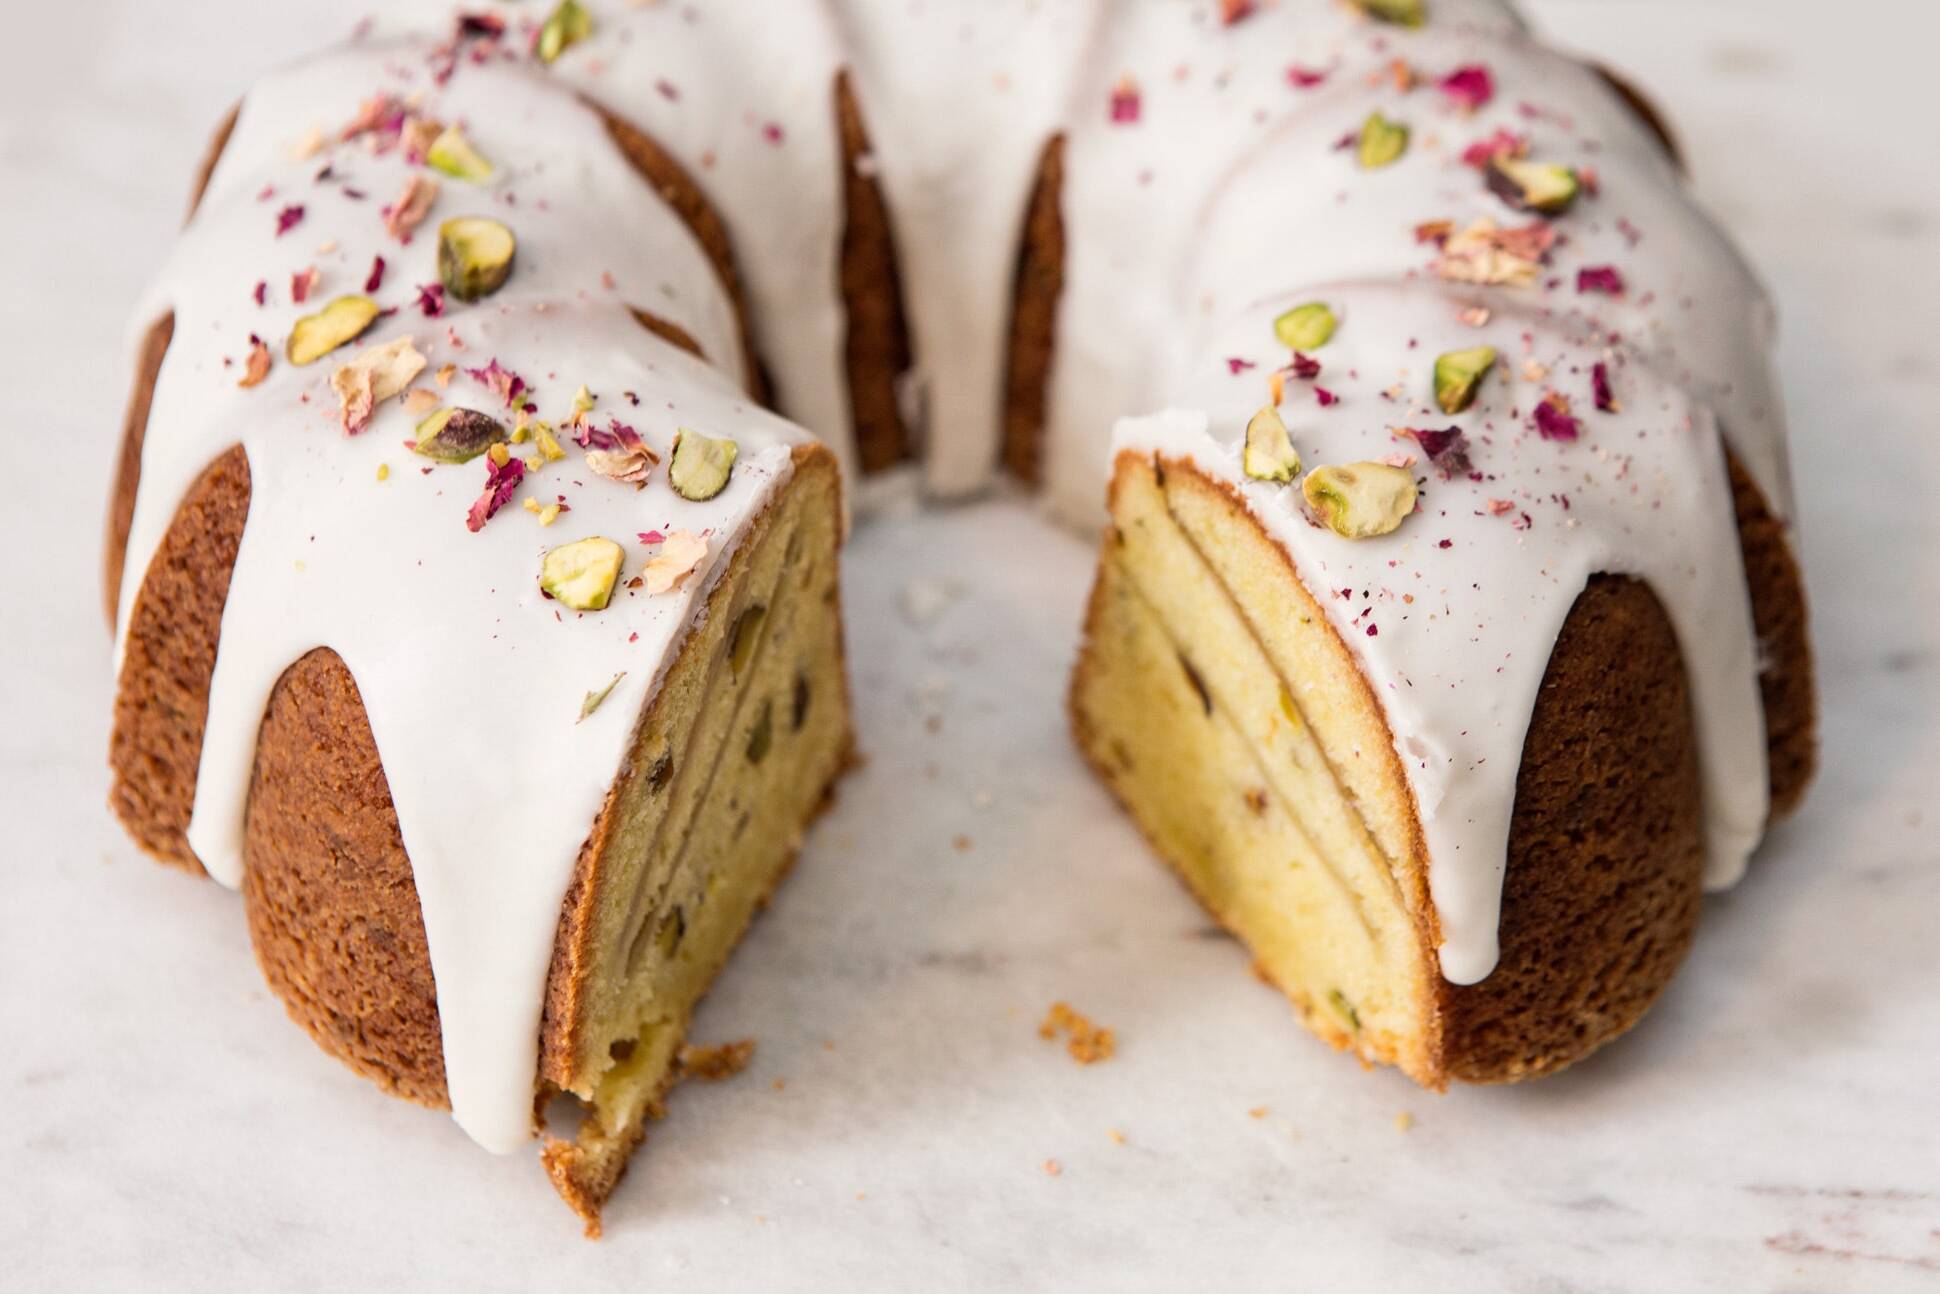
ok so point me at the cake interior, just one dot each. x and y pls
(1220, 707)
(734, 759)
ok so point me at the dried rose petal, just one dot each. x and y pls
(287, 218)
(1234, 364)
(256, 367)
(1600, 278)
(1446, 448)
(502, 382)
(303, 283)
(376, 374)
(262, 290)
(1305, 367)
(431, 299)
(1606, 399)
(1504, 143)
(411, 207)
(1469, 87)
(1553, 420)
(1125, 102)
(1234, 11)
(1325, 396)
(501, 482)
(627, 459)
(1305, 78)
(375, 279)
(680, 553)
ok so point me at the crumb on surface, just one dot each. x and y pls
(1403, 1121)
(1053, 1167)
(1117, 1137)
(1257, 1112)
(712, 1064)
(1089, 1043)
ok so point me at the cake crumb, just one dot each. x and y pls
(961, 844)
(1117, 1137)
(1257, 1112)
(1403, 1121)
(780, 1084)
(1089, 1044)
(712, 1064)
(1053, 1167)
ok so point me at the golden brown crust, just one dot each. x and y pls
(672, 182)
(1605, 871)
(1034, 314)
(1605, 857)
(1778, 612)
(1646, 111)
(877, 343)
(134, 431)
(327, 888)
(163, 699)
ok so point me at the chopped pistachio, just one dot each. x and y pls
(762, 735)
(383, 471)
(701, 465)
(343, 320)
(568, 24)
(458, 435)
(743, 638)
(1405, 13)
(597, 698)
(1269, 454)
(1360, 500)
(1306, 327)
(474, 256)
(582, 574)
(1533, 186)
(1382, 141)
(1459, 374)
(453, 154)
(1338, 1000)
(547, 442)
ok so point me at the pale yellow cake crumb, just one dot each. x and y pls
(1089, 1043)
(712, 1064)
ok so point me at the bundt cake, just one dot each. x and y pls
(480, 624)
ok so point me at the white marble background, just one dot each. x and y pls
(1771, 1126)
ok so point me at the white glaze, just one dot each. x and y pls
(1186, 231)
(1462, 635)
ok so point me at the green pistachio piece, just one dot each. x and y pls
(1305, 327)
(1533, 186)
(597, 697)
(1405, 13)
(1338, 1000)
(1382, 141)
(744, 636)
(1269, 455)
(568, 24)
(453, 154)
(343, 320)
(1458, 376)
(763, 734)
(701, 465)
(458, 435)
(582, 574)
(1360, 500)
(474, 256)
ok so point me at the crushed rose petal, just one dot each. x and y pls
(1325, 397)
(262, 290)
(1503, 143)
(652, 537)
(375, 279)
(1304, 367)
(626, 459)
(1446, 448)
(287, 218)
(1497, 507)
(1234, 11)
(1485, 253)
(1434, 231)
(680, 552)
(411, 207)
(1606, 398)
(1553, 420)
(431, 299)
(1125, 102)
(1234, 364)
(303, 283)
(1606, 279)
(502, 382)
(1469, 87)
(501, 482)
(256, 368)
(376, 374)
(1305, 78)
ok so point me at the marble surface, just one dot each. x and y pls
(1771, 1126)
